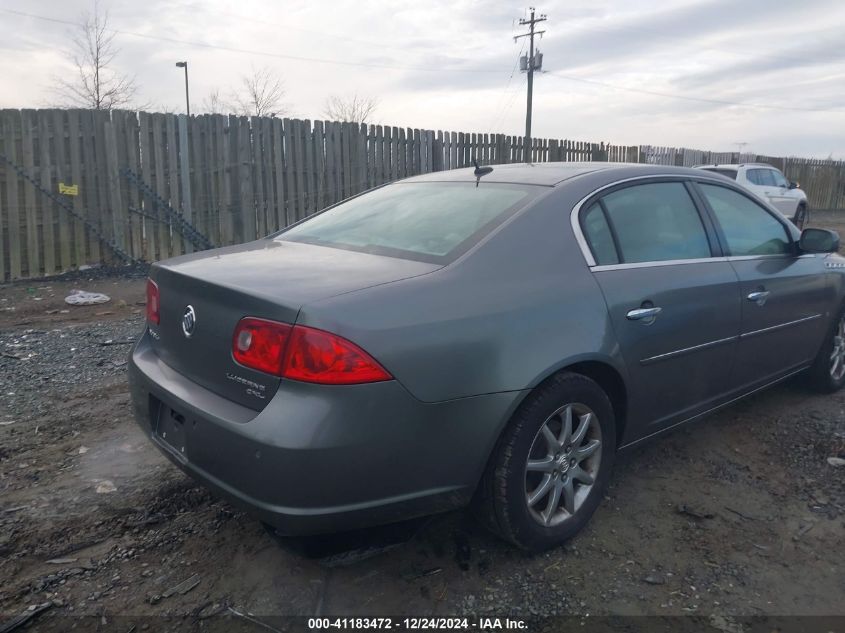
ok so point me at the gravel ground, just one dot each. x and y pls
(739, 515)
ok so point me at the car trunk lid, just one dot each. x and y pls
(267, 279)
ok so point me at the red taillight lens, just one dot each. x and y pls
(260, 344)
(322, 357)
(303, 353)
(153, 302)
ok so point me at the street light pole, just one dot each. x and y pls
(187, 98)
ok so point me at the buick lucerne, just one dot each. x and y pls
(476, 337)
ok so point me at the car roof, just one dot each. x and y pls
(551, 174)
(718, 166)
(735, 166)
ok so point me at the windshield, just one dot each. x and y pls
(432, 221)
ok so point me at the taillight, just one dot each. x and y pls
(322, 357)
(153, 302)
(260, 344)
(303, 353)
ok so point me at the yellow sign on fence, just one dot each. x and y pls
(68, 190)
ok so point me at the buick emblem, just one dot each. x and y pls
(189, 321)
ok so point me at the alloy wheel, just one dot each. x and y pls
(563, 463)
(837, 356)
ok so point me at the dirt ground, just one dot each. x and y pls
(738, 515)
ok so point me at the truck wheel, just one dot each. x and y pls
(802, 216)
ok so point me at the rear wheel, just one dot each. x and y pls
(828, 371)
(552, 464)
(802, 216)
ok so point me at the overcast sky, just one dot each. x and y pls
(614, 68)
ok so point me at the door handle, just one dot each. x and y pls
(759, 296)
(643, 313)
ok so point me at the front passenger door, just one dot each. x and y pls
(785, 296)
(780, 194)
(763, 184)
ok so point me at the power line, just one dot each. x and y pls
(509, 105)
(669, 95)
(232, 49)
(325, 34)
(500, 102)
(684, 39)
(421, 69)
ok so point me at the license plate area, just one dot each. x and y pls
(172, 429)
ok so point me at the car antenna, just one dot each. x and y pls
(480, 171)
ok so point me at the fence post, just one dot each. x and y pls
(185, 174)
(118, 212)
(437, 163)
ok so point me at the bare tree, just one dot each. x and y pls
(159, 108)
(352, 108)
(96, 85)
(213, 103)
(262, 94)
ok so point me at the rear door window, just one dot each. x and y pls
(599, 236)
(655, 222)
(748, 228)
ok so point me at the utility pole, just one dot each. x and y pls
(531, 64)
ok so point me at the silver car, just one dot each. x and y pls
(477, 337)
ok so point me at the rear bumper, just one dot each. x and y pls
(323, 459)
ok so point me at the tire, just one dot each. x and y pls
(827, 374)
(510, 502)
(802, 216)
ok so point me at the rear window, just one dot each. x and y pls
(433, 221)
(730, 173)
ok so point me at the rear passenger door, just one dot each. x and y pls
(672, 298)
(785, 295)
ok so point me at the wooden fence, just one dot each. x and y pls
(237, 178)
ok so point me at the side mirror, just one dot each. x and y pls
(793, 185)
(819, 241)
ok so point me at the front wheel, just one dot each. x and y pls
(802, 216)
(552, 464)
(827, 373)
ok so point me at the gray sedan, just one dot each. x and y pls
(475, 337)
